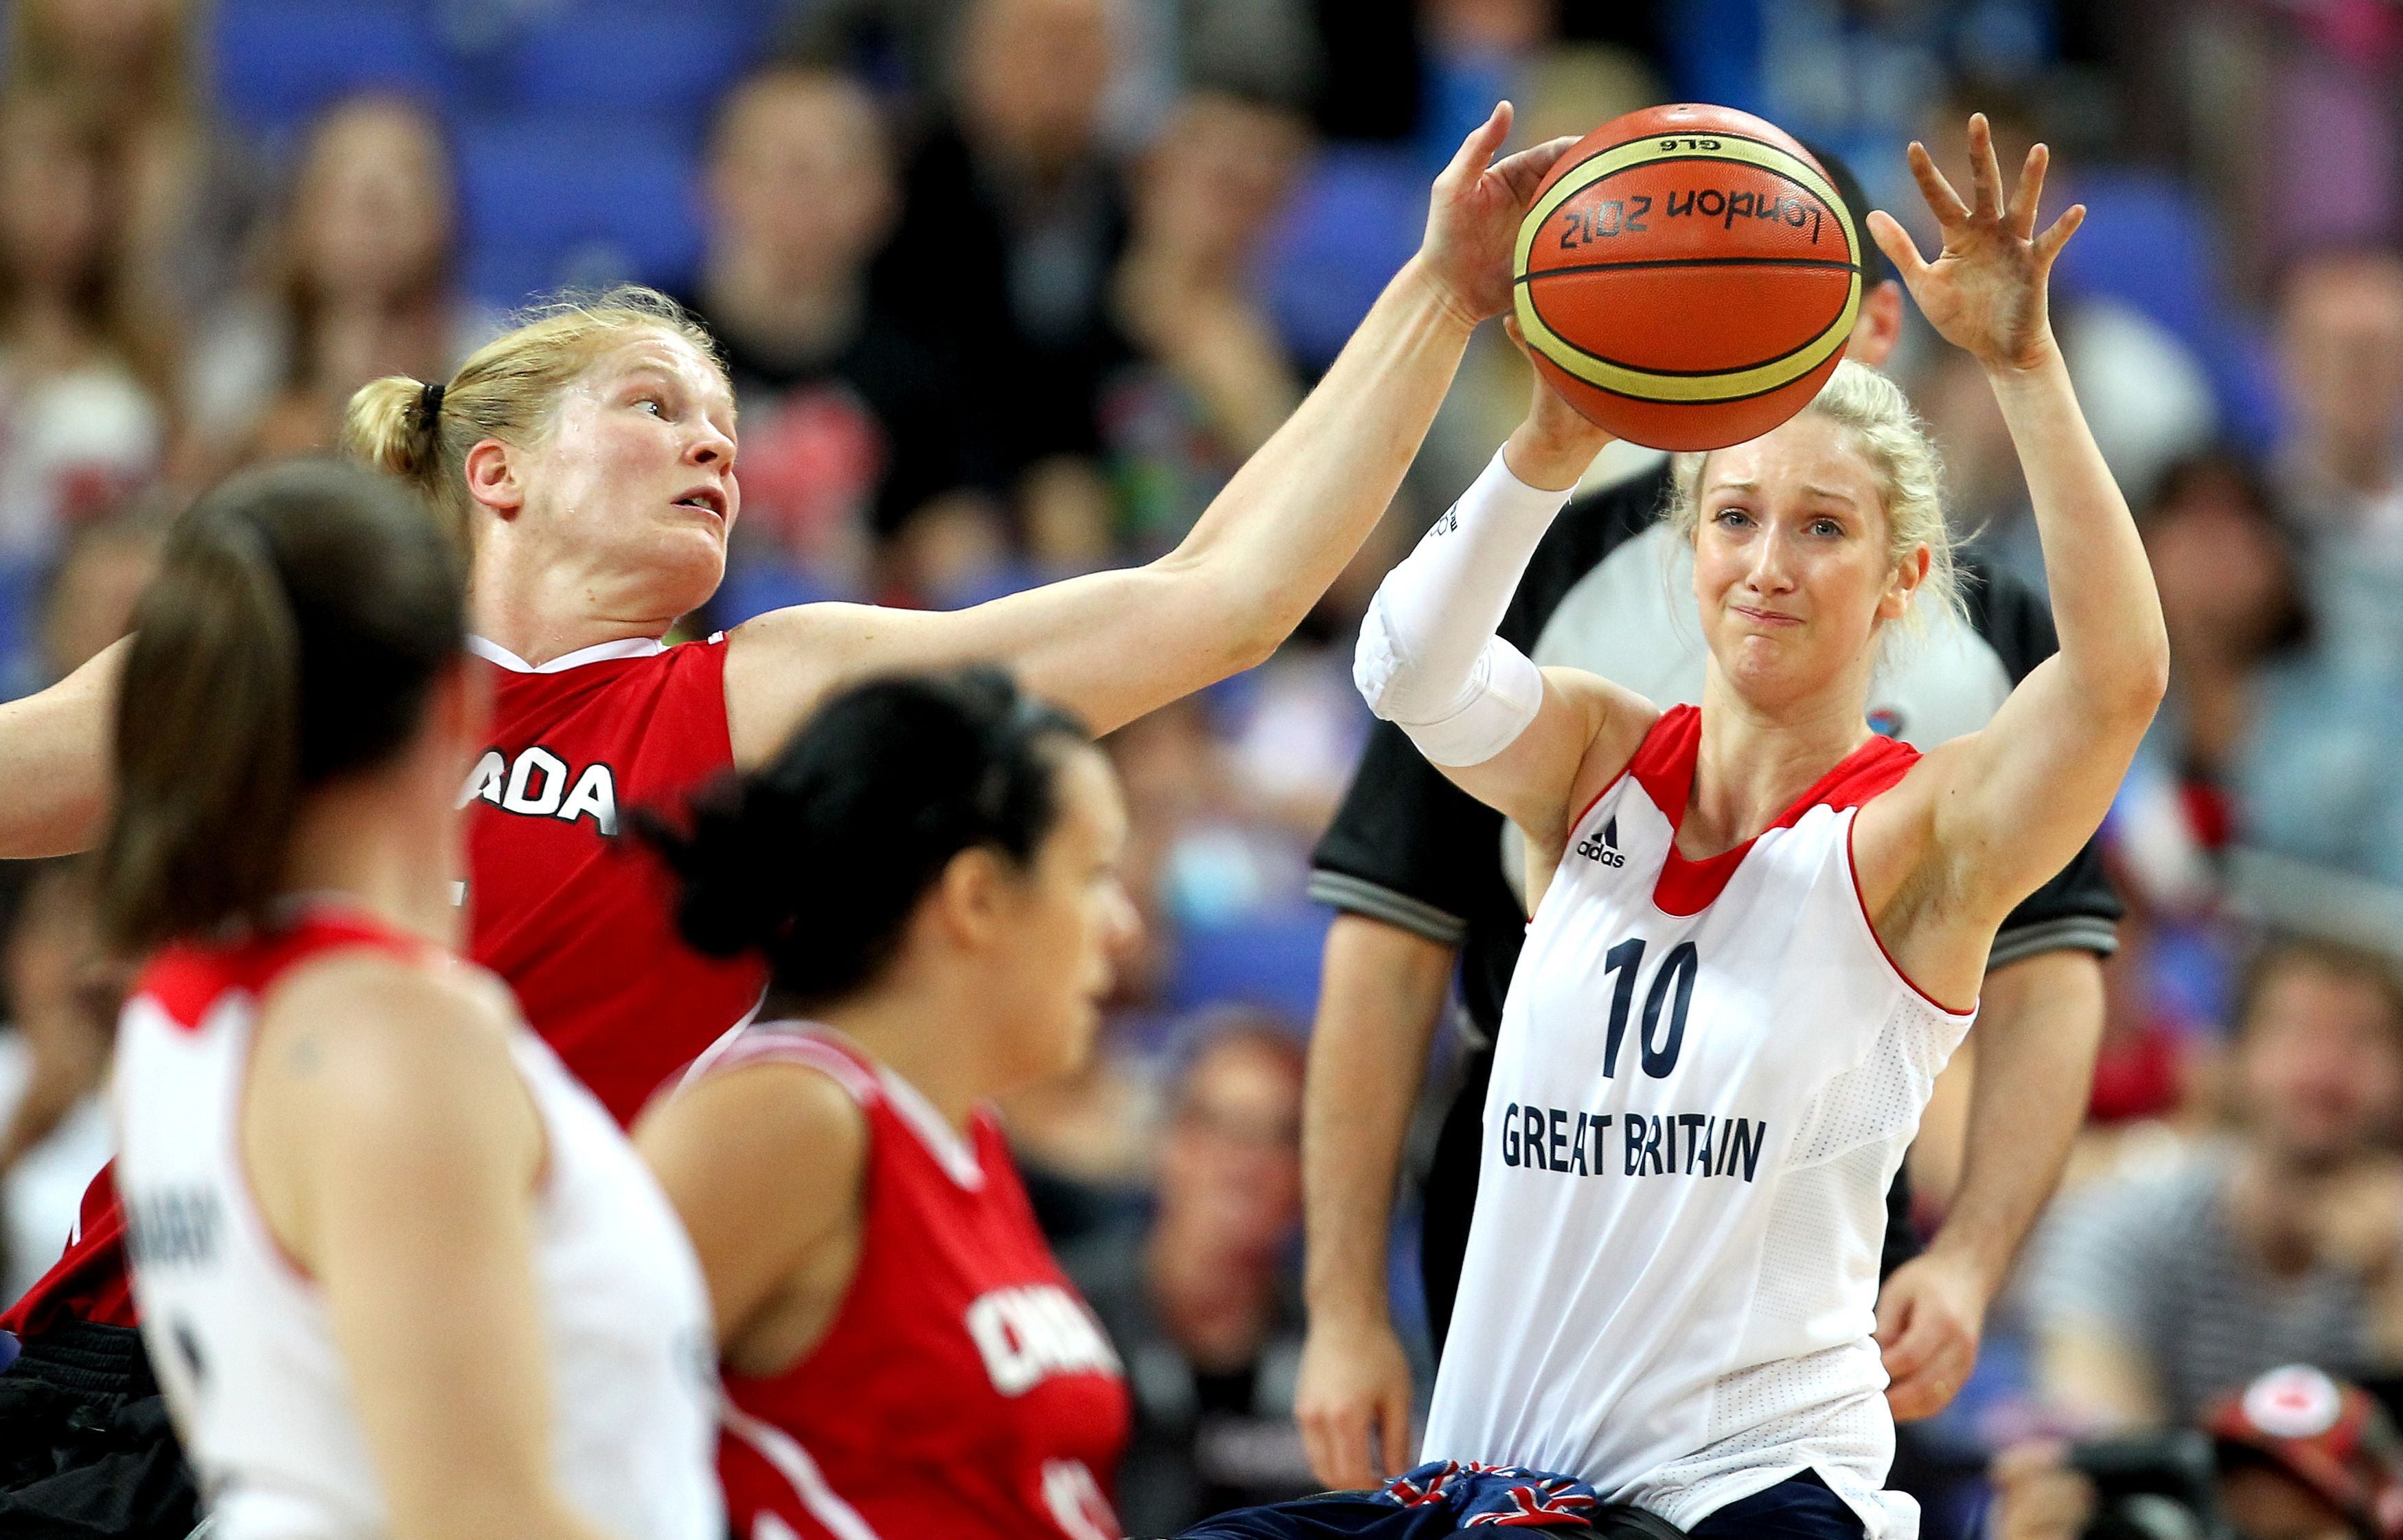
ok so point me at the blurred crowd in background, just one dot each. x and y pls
(1010, 287)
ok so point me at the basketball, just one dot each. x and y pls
(1687, 277)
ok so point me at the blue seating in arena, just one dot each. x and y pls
(2149, 242)
(1343, 235)
(2147, 246)
(279, 61)
(612, 57)
(575, 121)
(1269, 960)
(542, 209)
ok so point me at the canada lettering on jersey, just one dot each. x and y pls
(1670, 1144)
(1029, 1334)
(539, 784)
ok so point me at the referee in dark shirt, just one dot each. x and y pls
(1426, 882)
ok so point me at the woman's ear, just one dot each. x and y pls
(1909, 574)
(969, 899)
(493, 479)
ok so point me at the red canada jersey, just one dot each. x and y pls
(579, 922)
(965, 1389)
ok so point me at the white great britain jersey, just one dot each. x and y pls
(238, 1335)
(1707, 1075)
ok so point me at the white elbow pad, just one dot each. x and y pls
(1473, 721)
(1428, 661)
(1505, 691)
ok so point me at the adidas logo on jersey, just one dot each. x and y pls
(540, 785)
(1027, 1335)
(1604, 849)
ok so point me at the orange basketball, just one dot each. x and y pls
(1687, 277)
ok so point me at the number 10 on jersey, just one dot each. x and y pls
(1674, 976)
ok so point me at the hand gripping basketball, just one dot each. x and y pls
(1473, 217)
(1985, 291)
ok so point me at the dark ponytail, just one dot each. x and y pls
(818, 859)
(299, 616)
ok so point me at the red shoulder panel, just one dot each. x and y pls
(185, 980)
(1665, 766)
(1664, 761)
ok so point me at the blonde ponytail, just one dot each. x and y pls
(385, 428)
(507, 389)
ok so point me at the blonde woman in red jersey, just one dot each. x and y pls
(902, 1356)
(587, 459)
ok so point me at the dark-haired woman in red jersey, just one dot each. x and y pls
(902, 1356)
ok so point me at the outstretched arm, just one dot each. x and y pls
(54, 760)
(1116, 644)
(2009, 805)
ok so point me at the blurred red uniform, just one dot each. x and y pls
(581, 926)
(965, 1390)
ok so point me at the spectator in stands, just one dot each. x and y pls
(86, 597)
(2296, 1455)
(131, 73)
(363, 283)
(1221, 382)
(54, 1130)
(2232, 599)
(856, 431)
(1264, 48)
(1011, 224)
(2283, 1243)
(1201, 1297)
(2340, 465)
(2231, 595)
(78, 429)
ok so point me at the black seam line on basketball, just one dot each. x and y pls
(1681, 374)
(1706, 401)
(1806, 158)
(1826, 264)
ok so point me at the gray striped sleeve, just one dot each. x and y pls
(2069, 933)
(1358, 895)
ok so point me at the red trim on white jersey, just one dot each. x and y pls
(1664, 764)
(1852, 869)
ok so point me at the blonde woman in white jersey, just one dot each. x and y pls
(1761, 928)
(398, 1275)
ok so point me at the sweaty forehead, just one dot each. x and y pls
(1807, 454)
(666, 354)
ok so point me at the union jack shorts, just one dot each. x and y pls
(1440, 1498)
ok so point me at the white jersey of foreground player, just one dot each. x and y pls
(243, 1348)
(1699, 1100)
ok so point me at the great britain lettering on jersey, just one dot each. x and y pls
(1676, 1143)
